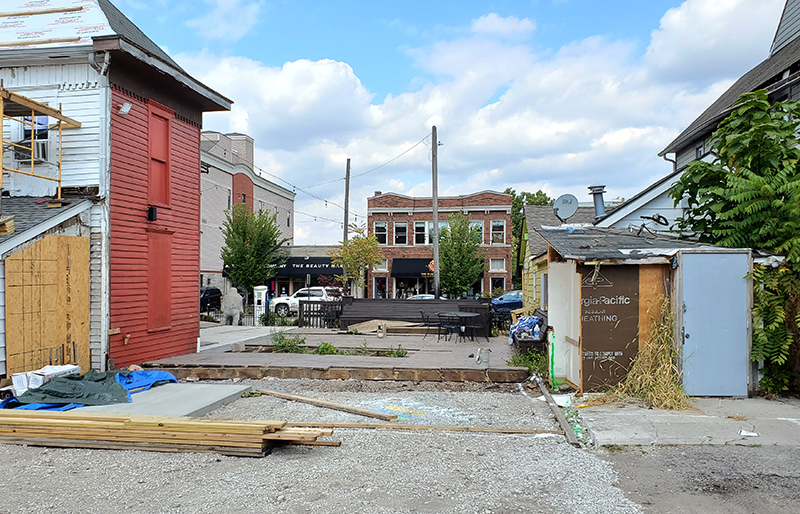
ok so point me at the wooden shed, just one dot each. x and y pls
(601, 283)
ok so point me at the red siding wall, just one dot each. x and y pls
(132, 279)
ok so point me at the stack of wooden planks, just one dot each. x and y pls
(152, 433)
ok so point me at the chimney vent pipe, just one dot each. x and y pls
(597, 193)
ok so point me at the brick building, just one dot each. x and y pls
(404, 225)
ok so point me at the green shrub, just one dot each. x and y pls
(283, 344)
(399, 352)
(536, 362)
(326, 349)
(273, 320)
(206, 317)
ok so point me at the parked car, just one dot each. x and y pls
(210, 298)
(285, 305)
(422, 297)
(510, 300)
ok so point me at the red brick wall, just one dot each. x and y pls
(491, 206)
(129, 262)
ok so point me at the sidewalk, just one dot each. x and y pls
(713, 421)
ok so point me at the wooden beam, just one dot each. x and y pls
(562, 420)
(330, 405)
(480, 430)
(36, 107)
(33, 42)
(40, 11)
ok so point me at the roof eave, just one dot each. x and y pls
(119, 43)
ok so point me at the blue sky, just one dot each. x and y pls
(541, 94)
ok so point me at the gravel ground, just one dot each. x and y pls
(373, 471)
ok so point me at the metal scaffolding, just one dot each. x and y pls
(23, 110)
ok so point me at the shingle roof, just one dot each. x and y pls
(595, 243)
(543, 215)
(124, 27)
(27, 212)
(763, 75)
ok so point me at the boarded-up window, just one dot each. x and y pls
(159, 280)
(158, 134)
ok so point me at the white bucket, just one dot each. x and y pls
(482, 358)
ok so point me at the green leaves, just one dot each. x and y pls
(460, 260)
(749, 197)
(252, 248)
(355, 255)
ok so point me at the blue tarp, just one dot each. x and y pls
(131, 381)
(142, 380)
(530, 326)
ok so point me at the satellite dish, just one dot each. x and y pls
(565, 207)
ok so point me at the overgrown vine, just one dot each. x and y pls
(749, 197)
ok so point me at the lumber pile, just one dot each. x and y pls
(152, 433)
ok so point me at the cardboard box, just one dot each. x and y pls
(21, 381)
(47, 373)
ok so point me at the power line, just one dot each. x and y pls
(376, 167)
(298, 188)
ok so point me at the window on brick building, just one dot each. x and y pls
(497, 264)
(421, 236)
(400, 233)
(381, 266)
(477, 225)
(498, 232)
(379, 230)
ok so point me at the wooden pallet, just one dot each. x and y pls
(152, 433)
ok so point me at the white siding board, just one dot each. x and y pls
(98, 287)
(75, 88)
(684, 157)
(662, 205)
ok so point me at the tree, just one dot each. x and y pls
(460, 260)
(253, 246)
(356, 255)
(518, 203)
(749, 197)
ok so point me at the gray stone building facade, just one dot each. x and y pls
(228, 176)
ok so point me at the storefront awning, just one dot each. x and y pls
(414, 268)
(302, 266)
(411, 267)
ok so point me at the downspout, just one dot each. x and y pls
(673, 161)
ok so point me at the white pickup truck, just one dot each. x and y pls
(285, 305)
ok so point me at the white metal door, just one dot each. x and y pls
(715, 323)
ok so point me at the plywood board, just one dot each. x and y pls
(609, 323)
(47, 304)
(651, 293)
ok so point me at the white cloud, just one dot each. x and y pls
(228, 20)
(509, 115)
(706, 39)
(497, 25)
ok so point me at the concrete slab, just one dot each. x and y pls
(713, 421)
(216, 337)
(449, 359)
(182, 399)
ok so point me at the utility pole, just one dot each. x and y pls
(435, 199)
(346, 199)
